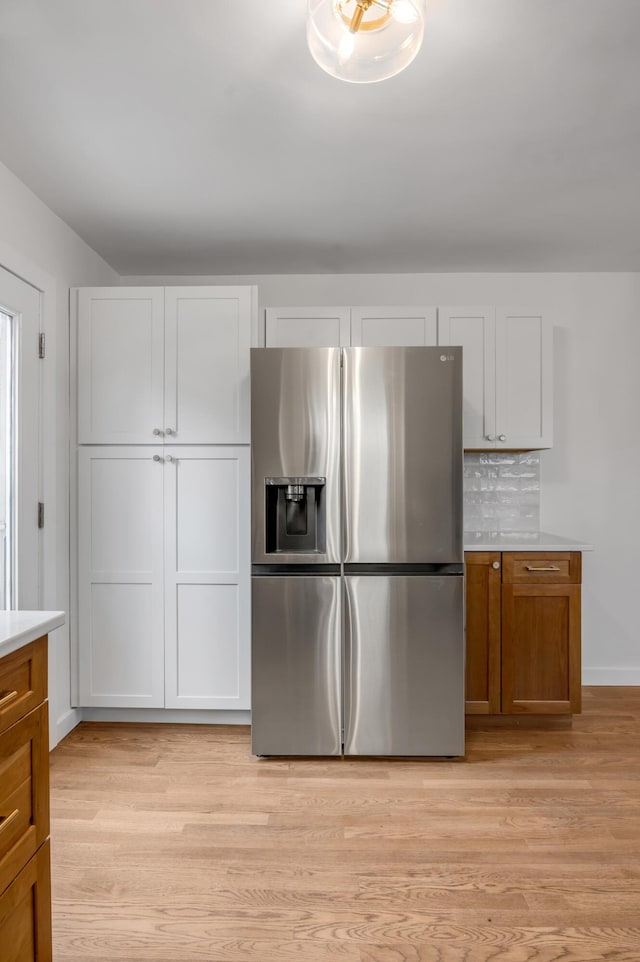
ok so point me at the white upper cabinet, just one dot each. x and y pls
(164, 365)
(474, 329)
(507, 375)
(207, 340)
(394, 326)
(307, 327)
(350, 326)
(120, 364)
(524, 380)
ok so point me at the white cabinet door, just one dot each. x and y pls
(207, 577)
(474, 328)
(207, 339)
(120, 596)
(120, 364)
(524, 380)
(307, 327)
(394, 326)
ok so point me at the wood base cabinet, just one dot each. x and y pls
(25, 896)
(25, 913)
(523, 633)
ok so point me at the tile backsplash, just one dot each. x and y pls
(501, 491)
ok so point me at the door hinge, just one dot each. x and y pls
(41, 345)
(41, 514)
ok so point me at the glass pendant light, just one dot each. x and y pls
(364, 41)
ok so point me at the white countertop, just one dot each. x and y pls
(18, 628)
(521, 541)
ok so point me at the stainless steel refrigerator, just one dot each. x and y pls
(357, 554)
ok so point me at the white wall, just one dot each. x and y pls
(41, 248)
(590, 481)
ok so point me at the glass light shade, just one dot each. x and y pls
(364, 41)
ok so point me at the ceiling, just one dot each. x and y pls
(193, 137)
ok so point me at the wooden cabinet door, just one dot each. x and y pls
(120, 592)
(25, 913)
(120, 364)
(394, 327)
(24, 792)
(207, 577)
(207, 339)
(307, 327)
(541, 648)
(482, 584)
(474, 329)
(524, 380)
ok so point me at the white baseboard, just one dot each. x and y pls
(611, 676)
(184, 716)
(65, 724)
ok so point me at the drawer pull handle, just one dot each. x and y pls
(6, 697)
(543, 568)
(6, 820)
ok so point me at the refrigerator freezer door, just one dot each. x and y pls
(295, 432)
(402, 423)
(296, 692)
(404, 665)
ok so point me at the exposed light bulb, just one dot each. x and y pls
(403, 11)
(347, 46)
(364, 41)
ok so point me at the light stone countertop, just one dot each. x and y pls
(520, 541)
(18, 628)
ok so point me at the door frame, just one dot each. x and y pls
(62, 719)
(26, 271)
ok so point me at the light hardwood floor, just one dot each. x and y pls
(173, 844)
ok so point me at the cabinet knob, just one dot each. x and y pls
(169, 457)
(496, 565)
(502, 437)
(157, 431)
(489, 437)
(157, 457)
(169, 431)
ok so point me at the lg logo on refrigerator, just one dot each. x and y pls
(447, 357)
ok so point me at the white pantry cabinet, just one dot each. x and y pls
(164, 365)
(164, 595)
(507, 375)
(350, 326)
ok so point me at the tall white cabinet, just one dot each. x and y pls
(163, 497)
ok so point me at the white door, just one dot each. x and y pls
(474, 328)
(394, 326)
(307, 327)
(207, 577)
(207, 340)
(20, 443)
(524, 380)
(120, 365)
(120, 595)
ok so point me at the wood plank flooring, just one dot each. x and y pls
(174, 844)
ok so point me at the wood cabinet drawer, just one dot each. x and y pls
(25, 913)
(535, 568)
(23, 681)
(24, 792)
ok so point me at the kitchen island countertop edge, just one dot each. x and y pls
(19, 628)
